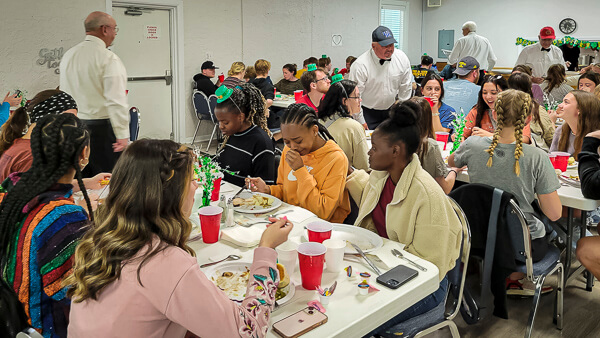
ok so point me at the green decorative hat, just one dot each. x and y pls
(336, 70)
(311, 67)
(324, 56)
(223, 93)
(337, 78)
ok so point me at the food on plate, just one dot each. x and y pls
(574, 177)
(284, 283)
(234, 284)
(256, 200)
(571, 160)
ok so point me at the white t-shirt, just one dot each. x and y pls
(475, 46)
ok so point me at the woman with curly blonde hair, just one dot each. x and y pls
(235, 75)
(134, 274)
(525, 171)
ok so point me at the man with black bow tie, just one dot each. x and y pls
(541, 55)
(383, 75)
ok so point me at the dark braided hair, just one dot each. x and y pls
(251, 102)
(333, 102)
(56, 143)
(403, 126)
(301, 114)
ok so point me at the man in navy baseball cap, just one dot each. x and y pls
(383, 36)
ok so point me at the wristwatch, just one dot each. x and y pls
(435, 114)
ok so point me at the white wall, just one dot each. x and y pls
(30, 25)
(503, 21)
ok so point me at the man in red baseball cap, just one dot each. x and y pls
(541, 55)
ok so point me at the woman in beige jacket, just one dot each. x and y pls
(399, 200)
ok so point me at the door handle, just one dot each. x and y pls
(167, 77)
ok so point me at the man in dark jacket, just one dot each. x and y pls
(203, 79)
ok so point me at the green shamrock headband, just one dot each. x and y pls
(311, 67)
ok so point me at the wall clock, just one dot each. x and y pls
(567, 26)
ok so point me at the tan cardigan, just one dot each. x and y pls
(350, 135)
(419, 216)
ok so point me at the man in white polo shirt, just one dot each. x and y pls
(541, 55)
(97, 80)
(474, 45)
(383, 74)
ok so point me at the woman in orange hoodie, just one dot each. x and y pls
(313, 168)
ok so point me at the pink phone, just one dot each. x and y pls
(300, 322)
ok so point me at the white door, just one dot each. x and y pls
(144, 45)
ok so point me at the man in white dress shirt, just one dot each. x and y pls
(474, 45)
(382, 74)
(541, 55)
(97, 80)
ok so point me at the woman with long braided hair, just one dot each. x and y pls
(135, 276)
(313, 168)
(523, 170)
(40, 224)
(247, 149)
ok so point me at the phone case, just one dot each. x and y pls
(397, 276)
(300, 322)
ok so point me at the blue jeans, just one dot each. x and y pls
(421, 307)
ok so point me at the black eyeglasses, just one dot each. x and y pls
(354, 97)
(325, 78)
(115, 28)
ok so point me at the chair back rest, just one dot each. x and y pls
(519, 235)
(458, 274)
(12, 315)
(201, 105)
(212, 103)
(134, 123)
(29, 333)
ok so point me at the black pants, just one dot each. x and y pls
(374, 117)
(102, 156)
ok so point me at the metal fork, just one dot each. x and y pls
(399, 254)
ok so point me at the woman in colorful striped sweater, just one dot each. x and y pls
(40, 224)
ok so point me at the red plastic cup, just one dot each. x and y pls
(297, 95)
(562, 160)
(319, 231)
(221, 78)
(552, 160)
(214, 196)
(442, 136)
(210, 223)
(431, 103)
(311, 256)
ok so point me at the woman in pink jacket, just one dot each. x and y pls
(134, 275)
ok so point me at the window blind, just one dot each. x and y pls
(393, 18)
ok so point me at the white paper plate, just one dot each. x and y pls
(574, 166)
(366, 240)
(212, 272)
(258, 209)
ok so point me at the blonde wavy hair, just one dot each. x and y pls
(236, 68)
(147, 191)
(512, 109)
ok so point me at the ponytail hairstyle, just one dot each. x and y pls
(425, 124)
(482, 106)
(131, 219)
(403, 126)
(236, 68)
(522, 82)
(556, 76)
(291, 67)
(588, 121)
(512, 109)
(301, 114)
(333, 102)
(17, 123)
(247, 99)
(57, 142)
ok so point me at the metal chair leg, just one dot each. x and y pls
(560, 296)
(196, 132)
(536, 301)
(211, 137)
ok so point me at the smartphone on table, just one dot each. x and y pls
(299, 323)
(397, 276)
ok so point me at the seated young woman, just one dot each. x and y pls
(429, 152)
(15, 137)
(443, 114)
(133, 273)
(526, 175)
(398, 188)
(581, 112)
(247, 149)
(235, 75)
(40, 223)
(290, 83)
(313, 168)
(540, 124)
(341, 102)
(555, 85)
(481, 120)
(588, 81)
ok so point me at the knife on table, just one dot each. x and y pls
(358, 249)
